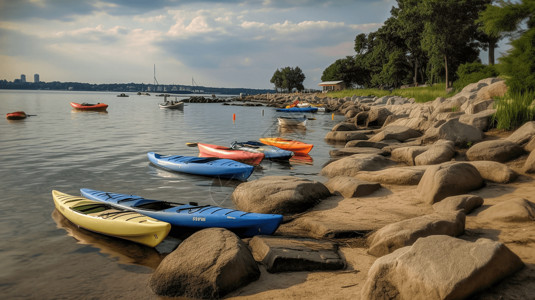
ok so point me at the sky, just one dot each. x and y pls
(234, 44)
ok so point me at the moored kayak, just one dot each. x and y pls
(295, 146)
(16, 115)
(106, 219)
(206, 166)
(270, 152)
(89, 106)
(299, 109)
(209, 150)
(191, 215)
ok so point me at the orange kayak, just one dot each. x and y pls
(295, 146)
(89, 106)
(16, 115)
(208, 150)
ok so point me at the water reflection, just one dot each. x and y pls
(124, 251)
(302, 159)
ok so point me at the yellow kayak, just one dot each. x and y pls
(103, 218)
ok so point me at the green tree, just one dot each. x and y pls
(346, 69)
(519, 63)
(288, 79)
(450, 32)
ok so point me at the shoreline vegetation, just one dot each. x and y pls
(421, 200)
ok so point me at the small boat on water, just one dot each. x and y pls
(209, 150)
(122, 95)
(172, 105)
(270, 152)
(16, 115)
(295, 146)
(290, 121)
(205, 166)
(89, 106)
(191, 215)
(310, 109)
(106, 219)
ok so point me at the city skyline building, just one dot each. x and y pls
(22, 78)
(36, 78)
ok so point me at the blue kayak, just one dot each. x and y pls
(270, 152)
(299, 109)
(191, 215)
(206, 166)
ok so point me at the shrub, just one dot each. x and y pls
(473, 72)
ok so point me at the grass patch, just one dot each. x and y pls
(420, 94)
(514, 109)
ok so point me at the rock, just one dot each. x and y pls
(209, 264)
(481, 120)
(448, 179)
(478, 106)
(500, 150)
(530, 146)
(280, 254)
(407, 154)
(342, 152)
(397, 175)
(406, 232)
(466, 203)
(278, 195)
(344, 126)
(399, 133)
(523, 134)
(529, 165)
(440, 267)
(419, 124)
(514, 210)
(461, 134)
(491, 91)
(361, 118)
(345, 136)
(377, 116)
(441, 151)
(494, 171)
(350, 187)
(351, 165)
(365, 144)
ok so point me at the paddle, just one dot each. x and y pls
(191, 144)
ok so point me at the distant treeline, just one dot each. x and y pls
(127, 87)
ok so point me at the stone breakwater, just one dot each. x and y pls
(421, 202)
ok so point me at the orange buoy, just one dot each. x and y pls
(233, 118)
(332, 117)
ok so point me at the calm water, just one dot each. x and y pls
(41, 254)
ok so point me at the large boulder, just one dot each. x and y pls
(393, 132)
(477, 106)
(344, 126)
(366, 144)
(347, 151)
(407, 154)
(351, 187)
(523, 134)
(209, 264)
(440, 267)
(514, 210)
(345, 136)
(481, 120)
(453, 130)
(377, 116)
(406, 232)
(281, 254)
(353, 164)
(529, 165)
(441, 151)
(494, 171)
(279, 195)
(396, 175)
(466, 203)
(448, 179)
(491, 91)
(499, 150)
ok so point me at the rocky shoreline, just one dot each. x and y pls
(423, 202)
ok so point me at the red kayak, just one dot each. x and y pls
(16, 115)
(252, 158)
(89, 106)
